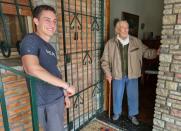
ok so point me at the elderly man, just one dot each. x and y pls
(121, 63)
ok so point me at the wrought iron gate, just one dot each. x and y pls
(82, 24)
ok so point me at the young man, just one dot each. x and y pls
(121, 62)
(39, 60)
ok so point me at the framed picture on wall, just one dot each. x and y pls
(133, 21)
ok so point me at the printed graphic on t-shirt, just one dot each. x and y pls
(50, 53)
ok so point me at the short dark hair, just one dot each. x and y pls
(38, 10)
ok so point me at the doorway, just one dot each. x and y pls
(149, 32)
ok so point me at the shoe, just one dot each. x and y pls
(115, 117)
(134, 120)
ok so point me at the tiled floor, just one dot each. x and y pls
(147, 102)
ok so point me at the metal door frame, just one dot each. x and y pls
(97, 28)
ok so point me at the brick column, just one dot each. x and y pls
(17, 101)
(167, 115)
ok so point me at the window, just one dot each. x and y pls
(15, 22)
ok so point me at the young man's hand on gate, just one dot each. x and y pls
(70, 90)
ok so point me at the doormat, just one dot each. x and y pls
(123, 123)
(97, 125)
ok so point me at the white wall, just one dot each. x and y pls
(149, 12)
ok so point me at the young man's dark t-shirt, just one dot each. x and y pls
(32, 44)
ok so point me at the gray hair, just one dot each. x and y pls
(117, 27)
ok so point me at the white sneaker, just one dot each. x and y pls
(134, 120)
(115, 117)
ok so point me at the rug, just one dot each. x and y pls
(97, 125)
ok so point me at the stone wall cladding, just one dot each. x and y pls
(167, 115)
